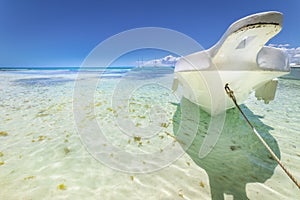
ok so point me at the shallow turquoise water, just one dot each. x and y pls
(51, 146)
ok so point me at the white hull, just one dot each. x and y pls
(238, 59)
(202, 88)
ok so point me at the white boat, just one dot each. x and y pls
(239, 59)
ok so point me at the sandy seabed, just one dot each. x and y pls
(47, 153)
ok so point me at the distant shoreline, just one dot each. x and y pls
(82, 68)
(295, 66)
(93, 68)
(63, 68)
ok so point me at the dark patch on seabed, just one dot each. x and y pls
(42, 81)
(149, 72)
(237, 158)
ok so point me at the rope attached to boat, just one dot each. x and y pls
(231, 95)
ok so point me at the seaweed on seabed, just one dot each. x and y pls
(3, 133)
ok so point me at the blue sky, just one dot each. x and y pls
(62, 33)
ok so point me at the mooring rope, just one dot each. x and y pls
(231, 95)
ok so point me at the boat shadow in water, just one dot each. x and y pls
(237, 158)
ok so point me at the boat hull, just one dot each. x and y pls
(206, 88)
(239, 59)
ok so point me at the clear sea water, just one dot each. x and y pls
(121, 133)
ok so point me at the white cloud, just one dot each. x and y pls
(284, 45)
(294, 53)
(296, 56)
(167, 61)
(280, 45)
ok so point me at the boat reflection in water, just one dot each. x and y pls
(237, 158)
